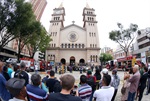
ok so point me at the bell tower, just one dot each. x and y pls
(56, 23)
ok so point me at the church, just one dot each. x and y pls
(73, 44)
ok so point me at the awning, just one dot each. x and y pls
(125, 59)
(7, 55)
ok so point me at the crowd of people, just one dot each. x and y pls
(16, 84)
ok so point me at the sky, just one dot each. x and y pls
(108, 14)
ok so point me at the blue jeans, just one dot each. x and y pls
(131, 96)
(91, 97)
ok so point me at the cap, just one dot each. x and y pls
(105, 71)
(89, 72)
(14, 85)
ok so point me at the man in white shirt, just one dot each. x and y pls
(106, 92)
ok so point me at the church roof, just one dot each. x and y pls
(71, 26)
(61, 5)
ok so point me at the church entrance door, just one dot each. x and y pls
(82, 61)
(63, 61)
(72, 60)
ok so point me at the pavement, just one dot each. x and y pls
(77, 74)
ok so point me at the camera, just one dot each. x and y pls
(73, 92)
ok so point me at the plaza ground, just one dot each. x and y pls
(76, 74)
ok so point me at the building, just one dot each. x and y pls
(142, 46)
(38, 7)
(73, 44)
(105, 49)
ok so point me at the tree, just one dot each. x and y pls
(124, 37)
(23, 23)
(41, 39)
(7, 8)
(104, 57)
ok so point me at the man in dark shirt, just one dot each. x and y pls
(51, 83)
(67, 82)
(22, 74)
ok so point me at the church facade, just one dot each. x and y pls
(73, 44)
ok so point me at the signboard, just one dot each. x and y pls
(51, 63)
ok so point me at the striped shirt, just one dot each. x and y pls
(35, 93)
(85, 92)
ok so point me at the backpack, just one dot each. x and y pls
(22, 75)
(91, 82)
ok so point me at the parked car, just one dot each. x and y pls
(12, 60)
(86, 68)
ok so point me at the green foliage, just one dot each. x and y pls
(105, 57)
(124, 37)
(6, 14)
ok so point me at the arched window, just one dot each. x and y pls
(68, 45)
(90, 45)
(54, 45)
(92, 19)
(82, 45)
(65, 45)
(90, 34)
(79, 45)
(62, 45)
(72, 45)
(93, 45)
(96, 58)
(75, 45)
(88, 18)
(94, 34)
(91, 58)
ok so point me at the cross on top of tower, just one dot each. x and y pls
(73, 22)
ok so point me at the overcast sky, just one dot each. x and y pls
(108, 12)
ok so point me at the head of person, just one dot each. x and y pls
(145, 69)
(89, 72)
(9, 65)
(5, 68)
(16, 87)
(67, 82)
(97, 71)
(1, 66)
(52, 73)
(114, 72)
(36, 79)
(15, 67)
(83, 79)
(105, 71)
(106, 80)
(135, 68)
(22, 66)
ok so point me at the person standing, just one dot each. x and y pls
(84, 90)
(91, 80)
(17, 89)
(148, 82)
(115, 81)
(22, 74)
(5, 74)
(134, 80)
(4, 94)
(67, 82)
(10, 70)
(34, 92)
(98, 77)
(142, 83)
(106, 92)
(53, 84)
